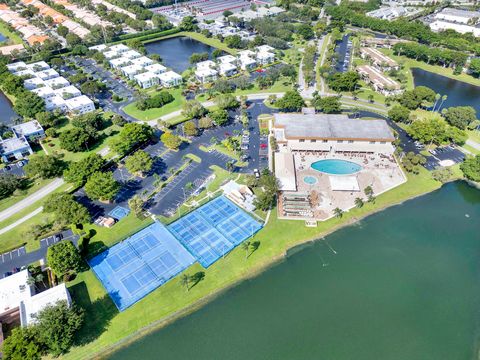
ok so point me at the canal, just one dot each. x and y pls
(176, 51)
(458, 93)
(400, 284)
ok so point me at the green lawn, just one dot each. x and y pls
(440, 70)
(52, 146)
(11, 36)
(474, 135)
(107, 327)
(15, 237)
(36, 185)
(471, 149)
(151, 114)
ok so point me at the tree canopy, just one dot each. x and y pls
(66, 209)
(44, 166)
(471, 168)
(399, 113)
(291, 101)
(63, 257)
(79, 172)
(102, 186)
(139, 163)
(460, 116)
(131, 135)
(170, 140)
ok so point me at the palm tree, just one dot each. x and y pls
(31, 281)
(229, 166)
(338, 212)
(185, 281)
(358, 202)
(40, 278)
(246, 247)
(437, 97)
(444, 98)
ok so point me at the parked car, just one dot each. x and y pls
(256, 173)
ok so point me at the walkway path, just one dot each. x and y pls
(473, 144)
(22, 220)
(29, 200)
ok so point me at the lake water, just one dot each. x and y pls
(176, 51)
(459, 93)
(6, 111)
(404, 284)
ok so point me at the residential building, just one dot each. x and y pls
(47, 74)
(27, 73)
(119, 48)
(38, 66)
(109, 55)
(207, 64)
(147, 79)
(57, 83)
(31, 130)
(327, 132)
(378, 59)
(45, 92)
(247, 63)
(227, 59)
(265, 58)
(13, 290)
(56, 103)
(80, 105)
(170, 78)
(380, 42)
(156, 68)
(142, 61)
(131, 54)
(16, 66)
(379, 81)
(68, 92)
(14, 148)
(227, 69)
(206, 75)
(131, 70)
(119, 62)
(33, 83)
(31, 306)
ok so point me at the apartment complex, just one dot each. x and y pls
(379, 81)
(228, 65)
(378, 59)
(30, 33)
(55, 90)
(135, 66)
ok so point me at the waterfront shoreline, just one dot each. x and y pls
(251, 274)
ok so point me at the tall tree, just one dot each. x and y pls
(102, 186)
(64, 258)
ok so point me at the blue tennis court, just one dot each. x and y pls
(138, 265)
(119, 212)
(214, 229)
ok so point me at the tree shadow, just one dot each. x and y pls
(94, 248)
(98, 313)
(254, 246)
(196, 278)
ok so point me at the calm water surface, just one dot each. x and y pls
(404, 284)
(176, 51)
(459, 93)
(7, 115)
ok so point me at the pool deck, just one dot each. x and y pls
(379, 171)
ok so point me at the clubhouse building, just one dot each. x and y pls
(324, 162)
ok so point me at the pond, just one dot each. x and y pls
(7, 115)
(459, 93)
(176, 51)
(400, 284)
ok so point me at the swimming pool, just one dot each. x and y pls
(336, 167)
(310, 180)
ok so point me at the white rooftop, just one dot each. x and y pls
(77, 102)
(156, 68)
(57, 82)
(39, 65)
(227, 59)
(146, 76)
(48, 73)
(27, 128)
(131, 54)
(169, 75)
(100, 47)
(285, 171)
(43, 92)
(68, 92)
(119, 48)
(205, 64)
(14, 289)
(224, 67)
(205, 72)
(16, 65)
(33, 305)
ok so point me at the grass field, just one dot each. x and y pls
(10, 35)
(52, 146)
(36, 185)
(106, 326)
(151, 114)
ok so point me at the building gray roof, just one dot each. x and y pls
(326, 126)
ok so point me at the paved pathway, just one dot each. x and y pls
(22, 220)
(473, 144)
(29, 200)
